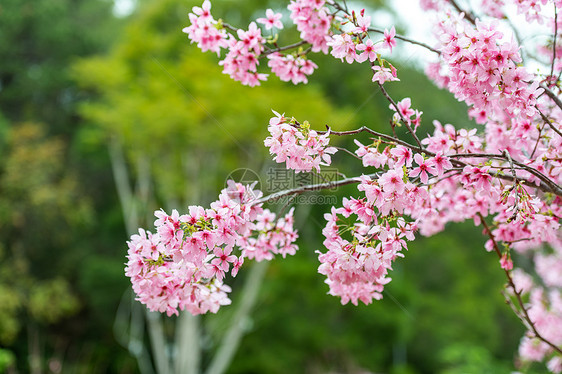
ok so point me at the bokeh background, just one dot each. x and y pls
(106, 116)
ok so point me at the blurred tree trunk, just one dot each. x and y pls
(130, 208)
(186, 357)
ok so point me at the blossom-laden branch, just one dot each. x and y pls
(447, 176)
(311, 187)
(546, 185)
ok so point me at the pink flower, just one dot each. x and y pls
(383, 74)
(300, 148)
(506, 262)
(424, 167)
(369, 51)
(289, 68)
(393, 181)
(404, 108)
(204, 13)
(389, 41)
(403, 156)
(363, 24)
(313, 21)
(441, 163)
(223, 258)
(271, 20)
(343, 47)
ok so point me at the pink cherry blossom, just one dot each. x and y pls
(425, 167)
(301, 148)
(505, 174)
(369, 51)
(271, 20)
(389, 40)
(383, 74)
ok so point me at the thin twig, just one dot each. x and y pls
(229, 27)
(515, 186)
(553, 187)
(270, 50)
(537, 142)
(408, 40)
(348, 152)
(467, 15)
(390, 138)
(284, 48)
(393, 103)
(309, 187)
(516, 292)
(397, 36)
(547, 122)
(552, 96)
(546, 185)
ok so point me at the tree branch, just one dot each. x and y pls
(554, 42)
(309, 187)
(284, 48)
(547, 185)
(467, 15)
(552, 187)
(408, 40)
(552, 96)
(547, 122)
(400, 114)
(511, 284)
(376, 133)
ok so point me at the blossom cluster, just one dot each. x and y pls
(360, 253)
(508, 173)
(481, 68)
(313, 21)
(244, 49)
(182, 266)
(291, 68)
(301, 148)
(318, 26)
(357, 267)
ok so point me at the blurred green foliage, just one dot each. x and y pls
(38, 40)
(166, 100)
(7, 360)
(42, 213)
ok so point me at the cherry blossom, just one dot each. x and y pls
(183, 265)
(296, 144)
(505, 175)
(271, 20)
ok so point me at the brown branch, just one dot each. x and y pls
(309, 187)
(547, 122)
(552, 96)
(393, 103)
(517, 293)
(284, 48)
(546, 184)
(270, 50)
(552, 187)
(347, 151)
(390, 138)
(228, 26)
(397, 36)
(408, 40)
(467, 15)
